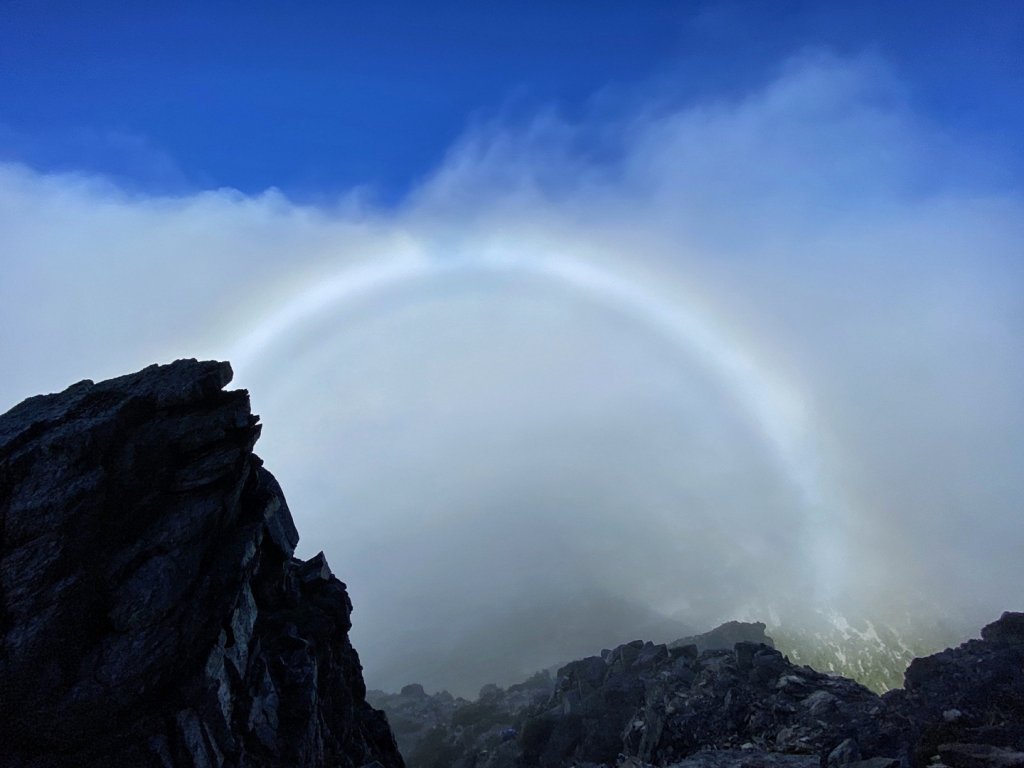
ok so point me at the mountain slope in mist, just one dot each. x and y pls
(874, 653)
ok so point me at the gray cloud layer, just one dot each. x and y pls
(502, 459)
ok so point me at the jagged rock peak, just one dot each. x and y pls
(1007, 630)
(151, 610)
(725, 636)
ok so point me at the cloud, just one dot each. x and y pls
(797, 358)
(132, 160)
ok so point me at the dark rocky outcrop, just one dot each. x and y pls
(973, 694)
(644, 704)
(441, 730)
(662, 705)
(725, 636)
(151, 610)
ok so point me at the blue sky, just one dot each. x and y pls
(316, 98)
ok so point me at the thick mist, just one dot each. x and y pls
(794, 381)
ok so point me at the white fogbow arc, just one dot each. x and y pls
(774, 406)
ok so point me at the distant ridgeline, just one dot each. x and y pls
(728, 698)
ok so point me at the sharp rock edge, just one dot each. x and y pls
(152, 613)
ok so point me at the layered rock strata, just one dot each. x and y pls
(151, 610)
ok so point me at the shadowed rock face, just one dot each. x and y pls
(151, 611)
(692, 704)
(725, 636)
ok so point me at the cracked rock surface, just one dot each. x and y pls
(151, 610)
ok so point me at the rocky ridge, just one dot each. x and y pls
(433, 730)
(152, 612)
(642, 704)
